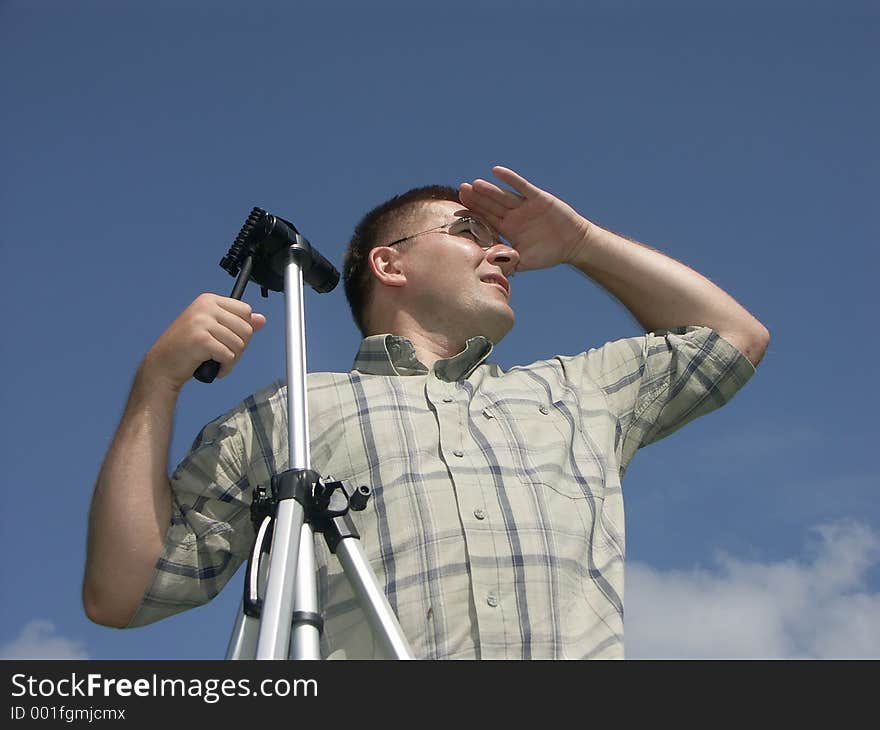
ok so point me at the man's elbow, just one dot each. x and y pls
(752, 339)
(106, 610)
(753, 342)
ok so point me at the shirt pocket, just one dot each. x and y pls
(543, 441)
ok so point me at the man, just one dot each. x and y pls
(496, 524)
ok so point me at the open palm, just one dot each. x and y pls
(544, 230)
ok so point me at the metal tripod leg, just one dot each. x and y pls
(373, 601)
(305, 642)
(305, 639)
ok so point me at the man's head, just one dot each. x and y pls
(420, 260)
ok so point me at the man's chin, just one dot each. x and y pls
(499, 326)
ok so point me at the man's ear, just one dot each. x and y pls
(385, 264)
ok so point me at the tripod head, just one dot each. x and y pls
(260, 252)
(268, 240)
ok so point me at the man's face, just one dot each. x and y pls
(457, 287)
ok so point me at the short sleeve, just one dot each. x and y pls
(657, 383)
(210, 532)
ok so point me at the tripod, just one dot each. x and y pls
(286, 621)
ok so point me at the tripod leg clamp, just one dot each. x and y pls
(309, 617)
(298, 484)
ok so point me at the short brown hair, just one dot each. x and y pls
(373, 230)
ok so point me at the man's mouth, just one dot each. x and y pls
(499, 280)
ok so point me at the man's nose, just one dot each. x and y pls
(504, 257)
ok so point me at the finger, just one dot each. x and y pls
(214, 349)
(235, 306)
(227, 357)
(208, 302)
(229, 339)
(258, 321)
(517, 182)
(504, 198)
(474, 204)
(241, 327)
(486, 201)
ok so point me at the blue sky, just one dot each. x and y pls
(740, 138)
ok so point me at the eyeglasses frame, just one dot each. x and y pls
(495, 239)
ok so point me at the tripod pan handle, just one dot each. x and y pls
(207, 371)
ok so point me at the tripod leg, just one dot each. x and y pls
(305, 637)
(382, 620)
(243, 641)
(274, 640)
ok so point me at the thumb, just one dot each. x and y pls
(258, 321)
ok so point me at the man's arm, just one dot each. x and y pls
(660, 292)
(131, 504)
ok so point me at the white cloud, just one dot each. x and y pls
(37, 640)
(817, 607)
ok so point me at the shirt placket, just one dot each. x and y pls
(477, 507)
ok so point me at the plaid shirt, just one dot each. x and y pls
(496, 525)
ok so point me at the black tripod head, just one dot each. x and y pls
(268, 240)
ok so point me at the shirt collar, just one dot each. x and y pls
(395, 355)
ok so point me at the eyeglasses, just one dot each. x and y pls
(481, 232)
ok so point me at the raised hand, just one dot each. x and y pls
(544, 230)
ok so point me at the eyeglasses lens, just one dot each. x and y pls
(481, 232)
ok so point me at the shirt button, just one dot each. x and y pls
(544, 410)
(447, 400)
(480, 514)
(458, 453)
(492, 600)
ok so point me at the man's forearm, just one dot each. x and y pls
(131, 506)
(661, 292)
